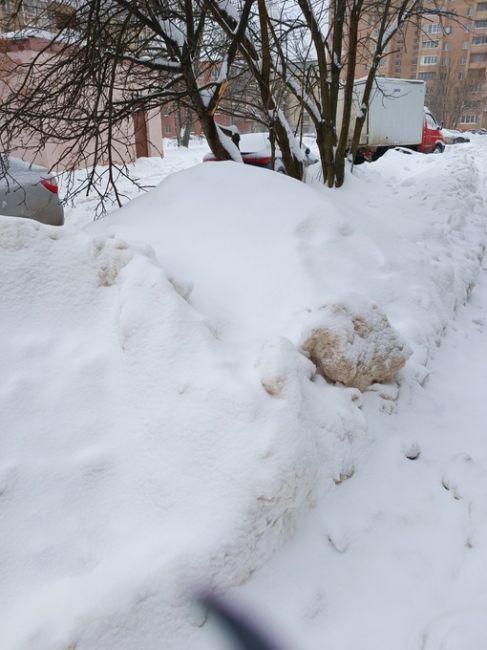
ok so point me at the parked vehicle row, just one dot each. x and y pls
(29, 191)
(395, 117)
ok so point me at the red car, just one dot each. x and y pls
(256, 150)
(432, 140)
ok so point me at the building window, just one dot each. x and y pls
(482, 6)
(429, 60)
(478, 58)
(462, 60)
(461, 76)
(446, 46)
(479, 40)
(465, 45)
(427, 76)
(469, 12)
(481, 24)
(430, 44)
(435, 28)
(470, 119)
(444, 60)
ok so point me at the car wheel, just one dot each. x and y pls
(439, 148)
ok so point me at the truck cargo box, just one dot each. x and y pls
(395, 115)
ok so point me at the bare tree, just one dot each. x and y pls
(256, 50)
(115, 59)
(453, 91)
(109, 60)
(341, 34)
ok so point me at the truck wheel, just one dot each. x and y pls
(379, 152)
(439, 148)
(359, 159)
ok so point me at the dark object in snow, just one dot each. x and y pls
(247, 633)
(412, 452)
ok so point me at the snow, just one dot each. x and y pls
(146, 172)
(228, 8)
(396, 556)
(174, 31)
(228, 144)
(163, 433)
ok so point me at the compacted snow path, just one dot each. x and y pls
(396, 557)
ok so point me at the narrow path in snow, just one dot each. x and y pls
(396, 557)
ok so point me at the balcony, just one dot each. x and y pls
(475, 65)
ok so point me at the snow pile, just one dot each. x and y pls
(265, 254)
(142, 456)
(413, 519)
(164, 431)
(142, 175)
(426, 217)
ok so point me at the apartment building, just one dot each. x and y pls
(450, 55)
(15, 14)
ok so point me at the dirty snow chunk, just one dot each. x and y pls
(355, 347)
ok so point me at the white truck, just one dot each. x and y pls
(396, 116)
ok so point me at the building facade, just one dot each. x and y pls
(450, 55)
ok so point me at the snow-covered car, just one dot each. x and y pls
(29, 191)
(452, 136)
(256, 150)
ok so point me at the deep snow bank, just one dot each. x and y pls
(402, 528)
(144, 453)
(140, 455)
(263, 254)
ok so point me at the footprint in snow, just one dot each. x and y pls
(411, 450)
(463, 629)
(462, 476)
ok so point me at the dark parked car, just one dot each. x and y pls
(256, 150)
(29, 191)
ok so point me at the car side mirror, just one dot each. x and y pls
(440, 126)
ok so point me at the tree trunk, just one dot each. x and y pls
(188, 120)
(212, 136)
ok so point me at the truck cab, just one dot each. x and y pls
(432, 140)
